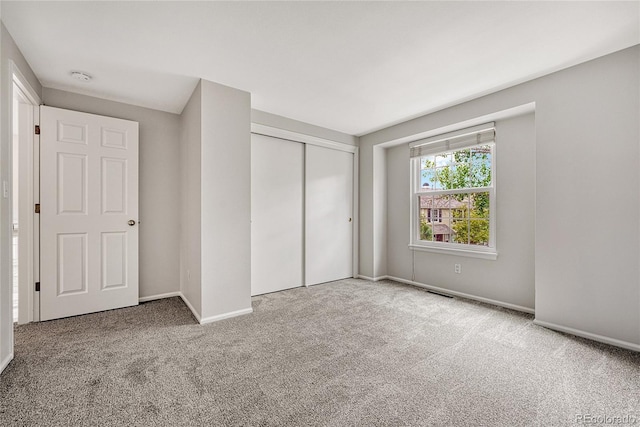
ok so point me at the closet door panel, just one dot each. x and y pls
(277, 203)
(328, 215)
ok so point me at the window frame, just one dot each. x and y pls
(451, 248)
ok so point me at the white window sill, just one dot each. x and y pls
(491, 254)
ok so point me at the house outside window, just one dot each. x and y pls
(453, 187)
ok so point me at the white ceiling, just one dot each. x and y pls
(349, 66)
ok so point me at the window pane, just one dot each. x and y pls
(443, 160)
(460, 229)
(457, 177)
(480, 166)
(442, 230)
(436, 180)
(427, 179)
(481, 153)
(462, 156)
(479, 232)
(443, 178)
(426, 202)
(479, 205)
(425, 231)
(459, 205)
(441, 201)
(427, 162)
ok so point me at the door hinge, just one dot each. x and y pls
(37, 208)
(37, 129)
(37, 286)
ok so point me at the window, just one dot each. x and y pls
(434, 215)
(453, 202)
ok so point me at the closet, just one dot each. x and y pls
(301, 213)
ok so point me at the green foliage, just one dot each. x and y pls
(474, 231)
(471, 225)
(461, 169)
(425, 229)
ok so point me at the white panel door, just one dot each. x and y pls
(277, 190)
(88, 213)
(328, 215)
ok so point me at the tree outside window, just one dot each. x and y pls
(456, 185)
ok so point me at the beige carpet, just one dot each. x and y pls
(341, 354)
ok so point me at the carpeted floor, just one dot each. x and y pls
(340, 354)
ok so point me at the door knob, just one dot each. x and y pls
(349, 219)
(131, 222)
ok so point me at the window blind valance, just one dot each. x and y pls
(464, 138)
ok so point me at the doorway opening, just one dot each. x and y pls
(24, 191)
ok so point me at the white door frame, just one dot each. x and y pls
(314, 140)
(28, 302)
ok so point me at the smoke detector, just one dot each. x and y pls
(79, 75)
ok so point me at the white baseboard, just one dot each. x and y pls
(188, 304)
(159, 296)
(223, 316)
(372, 279)
(463, 295)
(6, 362)
(589, 335)
(203, 320)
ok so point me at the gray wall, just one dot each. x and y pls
(380, 210)
(588, 278)
(587, 157)
(159, 185)
(510, 278)
(190, 201)
(8, 51)
(226, 199)
(216, 199)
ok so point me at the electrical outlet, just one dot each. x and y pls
(457, 268)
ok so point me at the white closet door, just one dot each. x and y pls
(277, 191)
(328, 215)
